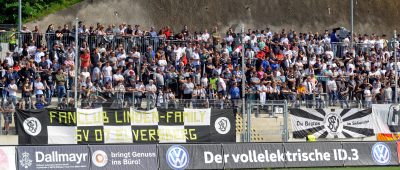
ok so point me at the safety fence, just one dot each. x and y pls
(90, 41)
(114, 41)
(202, 156)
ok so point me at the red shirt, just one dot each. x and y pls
(85, 60)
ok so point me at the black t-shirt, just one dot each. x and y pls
(49, 79)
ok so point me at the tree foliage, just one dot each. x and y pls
(31, 9)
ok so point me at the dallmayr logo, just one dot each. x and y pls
(177, 157)
(25, 161)
(32, 126)
(99, 158)
(222, 125)
(381, 153)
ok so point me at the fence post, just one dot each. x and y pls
(249, 105)
(285, 122)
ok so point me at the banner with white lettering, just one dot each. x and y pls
(253, 155)
(7, 158)
(53, 157)
(98, 126)
(312, 154)
(117, 157)
(332, 123)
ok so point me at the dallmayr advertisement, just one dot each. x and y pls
(52, 157)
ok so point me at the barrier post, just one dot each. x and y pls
(249, 106)
(285, 134)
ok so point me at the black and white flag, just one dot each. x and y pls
(332, 123)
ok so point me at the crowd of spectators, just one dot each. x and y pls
(186, 65)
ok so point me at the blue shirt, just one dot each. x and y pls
(234, 92)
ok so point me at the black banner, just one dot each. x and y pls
(98, 126)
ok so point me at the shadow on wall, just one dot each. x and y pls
(371, 16)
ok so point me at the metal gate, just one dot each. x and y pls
(267, 121)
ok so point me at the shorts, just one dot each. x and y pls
(7, 118)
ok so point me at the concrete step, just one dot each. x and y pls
(8, 139)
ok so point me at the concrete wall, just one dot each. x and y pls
(371, 16)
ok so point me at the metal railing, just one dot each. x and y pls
(91, 41)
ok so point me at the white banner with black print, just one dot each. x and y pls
(332, 123)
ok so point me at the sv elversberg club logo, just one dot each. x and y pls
(32, 126)
(381, 153)
(99, 158)
(177, 157)
(222, 125)
(333, 123)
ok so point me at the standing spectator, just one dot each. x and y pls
(85, 59)
(309, 92)
(107, 72)
(221, 85)
(318, 96)
(188, 87)
(60, 81)
(39, 87)
(235, 95)
(3, 90)
(332, 91)
(139, 90)
(8, 111)
(12, 92)
(367, 96)
(49, 85)
(387, 94)
(27, 93)
(151, 90)
(343, 92)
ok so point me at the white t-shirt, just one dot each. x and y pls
(332, 85)
(221, 85)
(367, 95)
(151, 87)
(38, 56)
(188, 88)
(196, 59)
(121, 57)
(107, 71)
(96, 71)
(12, 92)
(38, 85)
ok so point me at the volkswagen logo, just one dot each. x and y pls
(381, 153)
(177, 157)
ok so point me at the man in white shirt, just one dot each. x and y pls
(205, 36)
(332, 90)
(368, 96)
(221, 86)
(10, 60)
(151, 90)
(39, 55)
(139, 90)
(39, 87)
(121, 58)
(12, 92)
(107, 73)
